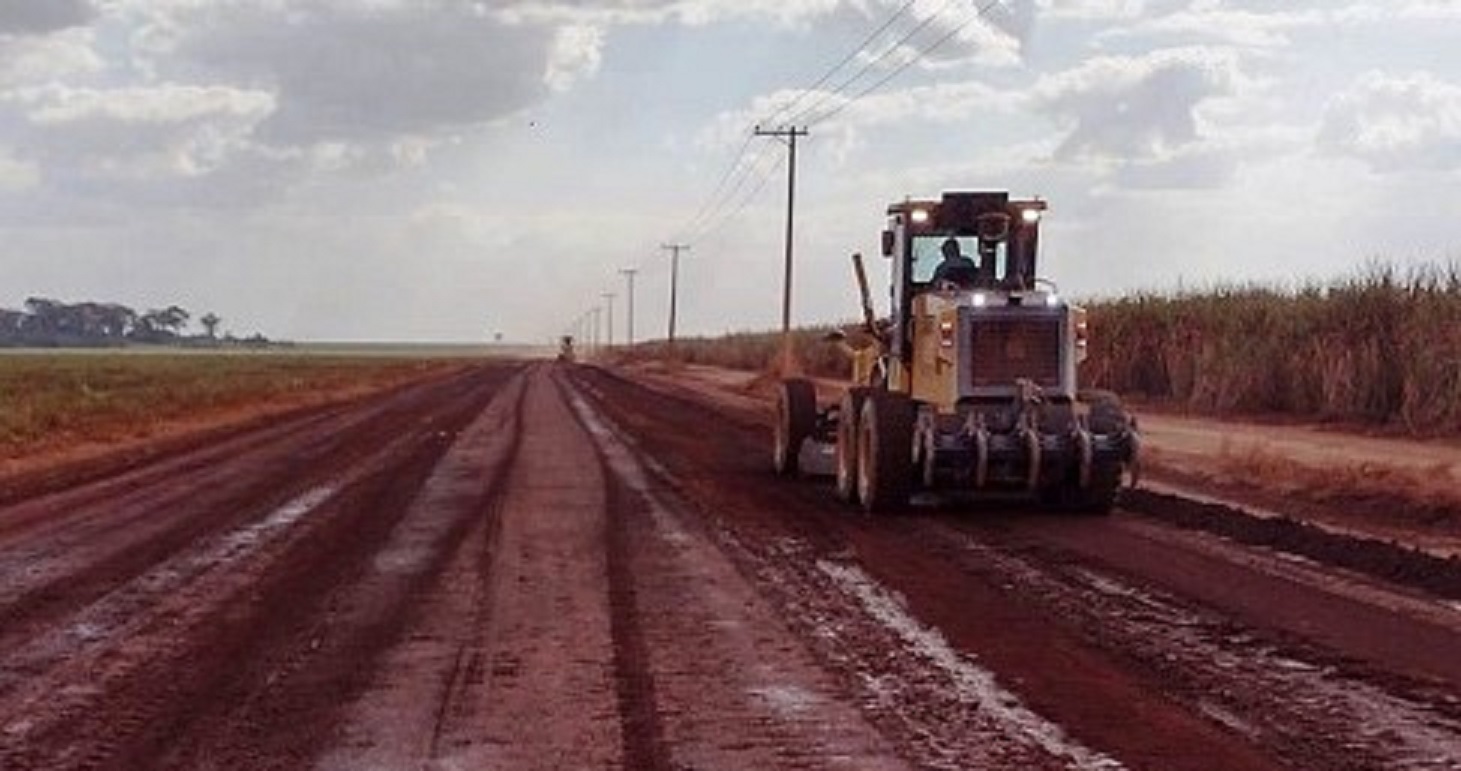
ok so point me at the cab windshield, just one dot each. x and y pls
(928, 253)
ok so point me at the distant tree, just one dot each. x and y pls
(104, 321)
(161, 324)
(210, 322)
(46, 316)
(175, 318)
(11, 324)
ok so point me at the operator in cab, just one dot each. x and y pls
(955, 268)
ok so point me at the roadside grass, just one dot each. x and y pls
(55, 400)
(1425, 499)
(750, 351)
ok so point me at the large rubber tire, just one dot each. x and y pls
(885, 452)
(1107, 415)
(796, 417)
(1100, 498)
(849, 415)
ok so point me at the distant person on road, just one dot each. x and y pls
(956, 268)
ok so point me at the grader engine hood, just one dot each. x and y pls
(988, 346)
(1003, 346)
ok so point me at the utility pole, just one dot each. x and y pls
(629, 323)
(596, 311)
(790, 134)
(609, 327)
(674, 250)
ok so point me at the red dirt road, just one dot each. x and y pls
(531, 566)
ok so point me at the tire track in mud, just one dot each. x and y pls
(95, 541)
(328, 660)
(508, 663)
(735, 688)
(642, 733)
(1386, 561)
(787, 529)
(238, 638)
(1309, 704)
(1313, 706)
(406, 696)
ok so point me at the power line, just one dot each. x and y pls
(739, 168)
(868, 65)
(895, 72)
(826, 76)
(735, 164)
(745, 201)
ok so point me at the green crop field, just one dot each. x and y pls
(50, 399)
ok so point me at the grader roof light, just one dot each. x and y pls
(1030, 216)
(919, 216)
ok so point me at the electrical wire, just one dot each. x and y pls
(867, 66)
(754, 191)
(737, 168)
(900, 69)
(826, 76)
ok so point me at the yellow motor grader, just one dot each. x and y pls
(970, 385)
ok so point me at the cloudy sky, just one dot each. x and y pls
(445, 169)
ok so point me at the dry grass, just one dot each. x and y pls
(1425, 498)
(753, 351)
(56, 400)
(1382, 348)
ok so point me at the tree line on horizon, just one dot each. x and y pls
(48, 323)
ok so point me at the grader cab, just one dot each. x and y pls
(971, 384)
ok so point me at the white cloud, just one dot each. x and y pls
(364, 72)
(138, 131)
(1224, 24)
(1092, 10)
(576, 53)
(27, 60)
(38, 17)
(1123, 107)
(166, 103)
(1396, 123)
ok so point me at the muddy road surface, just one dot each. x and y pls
(537, 566)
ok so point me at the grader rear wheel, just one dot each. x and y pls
(848, 419)
(796, 417)
(885, 452)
